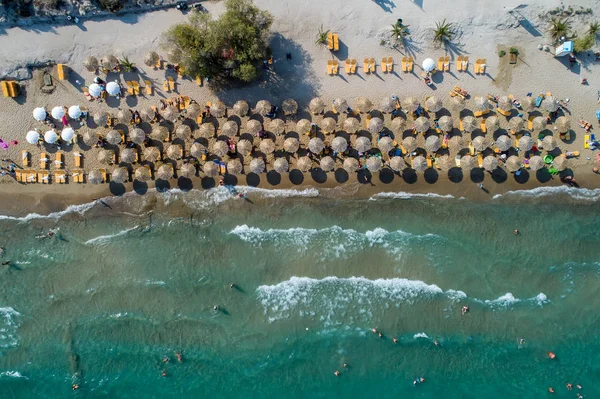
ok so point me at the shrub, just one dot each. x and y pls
(502, 53)
(443, 33)
(584, 43)
(46, 4)
(111, 5)
(513, 50)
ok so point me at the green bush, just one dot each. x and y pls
(46, 4)
(584, 43)
(502, 53)
(513, 50)
(111, 5)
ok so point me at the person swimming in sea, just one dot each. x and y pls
(464, 310)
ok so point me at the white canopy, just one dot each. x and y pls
(67, 134)
(58, 112)
(113, 88)
(95, 90)
(428, 65)
(39, 114)
(50, 137)
(32, 137)
(74, 111)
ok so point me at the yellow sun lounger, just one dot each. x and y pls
(10, 88)
(440, 64)
(480, 160)
(78, 158)
(336, 67)
(459, 63)
(149, 89)
(471, 149)
(199, 81)
(166, 86)
(384, 64)
(330, 67)
(43, 160)
(336, 42)
(372, 65)
(530, 123)
(390, 64)
(447, 64)
(483, 128)
(171, 83)
(482, 66)
(348, 67)
(25, 158)
(429, 163)
(63, 71)
(353, 65)
(403, 65)
(330, 40)
(366, 65)
(58, 163)
(457, 161)
(159, 64)
(59, 177)
(465, 63)
(410, 64)
(503, 112)
(479, 114)
(586, 141)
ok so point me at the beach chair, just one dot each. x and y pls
(159, 64)
(25, 158)
(336, 42)
(18, 176)
(10, 88)
(149, 88)
(348, 67)
(390, 64)
(43, 177)
(384, 64)
(476, 66)
(483, 128)
(181, 69)
(104, 178)
(440, 64)
(336, 67)
(586, 141)
(480, 160)
(186, 102)
(136, 87)
(171, 83)
(459, 63)
(78, 158)
(199, 81)
(372, 65)
(77, 175)
(329, 67)
(366, 68)
(482, 66)
(457, 161)
(479, 114)
(130, 88)
(353, 65)
(166, 86)
(59, 177)
(465, 63)
(43, 160)
(58, 162)
(460, 126)
(447, 64)
(403, 66)
(409, 66)
(329, 40)
(63, 71)
(503, 112)
(429, 163)
(471, 149)
(530, 123)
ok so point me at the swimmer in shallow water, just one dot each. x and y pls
(337, 373)
(464, 310)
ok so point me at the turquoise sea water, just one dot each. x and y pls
(120, 289)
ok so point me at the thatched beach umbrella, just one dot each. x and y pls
(397, 164)
(101, 118)
(188, 170)
(124, 116)
(528, 104)
(263, 107)
(550, 104)
(503, 143)
(253, 126)
(174, 151)
(419, 163)
(387, 104)
(281, 165)
(482, 104)
(563, 124)
(410, 104)
(539, 123)
(151, 154)
(220, 148)
(479, 143)
(304, 164)
(170, 113)
(445, 162)
(113, 137)
(374, 164)
(110, 62)
(350, 165)
(151, 58)
(165, 172)
(327, 164)
(385, 144)
(106, 156)
(457, 103)
(375, 125)
(340, 105)
(456, 143)
(90, 138)
(197, 150)
(468, 162)
(316, 105)
(184, 132)
(159, 133)
(289, 106)
(234, 167)
(95, 177)
(421, 124)
(490, 163)
(398, 124)
(257, 165)
(560, 163)
(267, 146)
(469, 123)
(446, 123)
(339, 144)
(91, 63)
(291, 144)
(303, 126)
(277, 126)
(193, 111)
(363, 104)
(241, 108)
(409, 144)
(119, 175)
(549, 143)
(536, 162)
(328, 125)
(513, 163)
(137, 135)
(492, 124)
(147, 114)
(316, 145)
(142, 174)
(433, 104)
(516, 124)
(351, 125)
(363, 144)
(230, 129)
(433, 143)
(244, 147)
(210, 169)
(128, 155)
(206, 130)
(525, 143)
(505, 104)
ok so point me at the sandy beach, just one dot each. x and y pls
(485, 28)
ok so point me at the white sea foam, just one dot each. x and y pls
(582, 194)
(508, 300)
(80, 209)
(9, 323)
(421, 335)
(12, 374)
(105, 239)
(405, 195)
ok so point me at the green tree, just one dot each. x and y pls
(559, 28)
(322, 36)
(443, 33)
(593, 29)
(227, 49)
(128, 66)
(399, 33)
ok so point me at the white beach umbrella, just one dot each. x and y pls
(490, 163)
(174, 151)
(127, 155)
(95, 177)
(409, 143)
(32, 137)
(433, 143)
(74, 111)
(456, 143)
(316, 145)
(267, 146)
(375, 125)
(350, 165)
(257, 165)
(165, 172)
(428, 65)
(316, 105)
(351, 125)
(503, 143)
(137, 135)
(327, 164)
(536, 162)
(397, 164)
(67, 134)
(291, 144)
(363, 144)
(525, 143)
(244, 147)
(113, 137)
(385, 144)
(339, 144)
(374, 164)
(281, 165)
(50, 137)
(419, 163)
(210, 169)
(58, 112)
(95, 90)
(113, 88)
(39, 114)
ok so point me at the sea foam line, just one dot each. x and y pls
(405, 195)
(106, 238)
(80, 209)
(583, 194)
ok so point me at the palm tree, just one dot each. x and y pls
(594, 29)
(399, 33)
(322, 36)
(444, 32)
(559, 28)
(128, 66)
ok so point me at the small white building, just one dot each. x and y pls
(564, 49)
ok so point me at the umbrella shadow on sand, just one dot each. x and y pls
(386, 175)
(499, 175)
(252, 179)
(185, 184)
(208, 182)
(409, 175)
(431, 176)
(477, 175)
(318, 175)
(140, 187)
(455, 175)
(296, 176)
(522, 177)
(162, 185)
(273, 177)
(341, 175)
(543, 175)
(117, 189)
